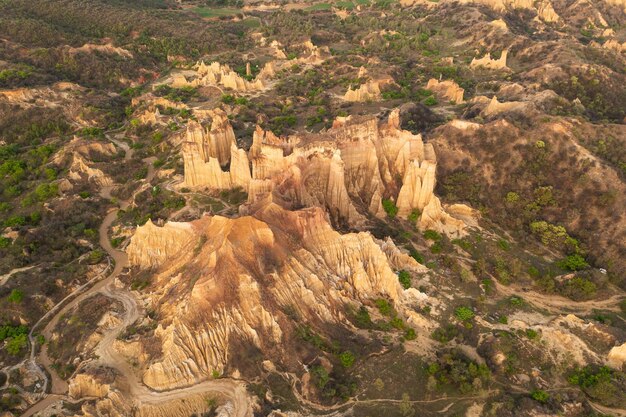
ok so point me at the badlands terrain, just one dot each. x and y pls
(244, 208)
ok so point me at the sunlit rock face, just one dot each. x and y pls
(219, 277)
(347, 170)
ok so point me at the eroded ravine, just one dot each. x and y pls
(235, 391)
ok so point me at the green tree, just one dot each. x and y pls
(464, 313)
(346, 358)
(390, 208)
(405, 279)
(16, 296)
(16, 344)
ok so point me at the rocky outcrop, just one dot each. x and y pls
(618, 3)
(58, 95)
(546, 12)
(105, 49)
(81, 171)
(495, 107)
(617, 357)
(614, 45)
(151, 246)
(490, 63)
(84, 385)
(234, 287)
(216, 74)
(150, 117)
(85, 148)
(448, 90)
(347, 170)
(211, 158)
(370, 91)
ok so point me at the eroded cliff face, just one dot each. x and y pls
(488, 62)
(370, 91)
(347, 170)
(449, 90)
(243, 273)
(216, 74)
(211, 157)
(223, 76)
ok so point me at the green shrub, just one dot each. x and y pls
(45, 191)
(573, 262)
(415, 255)
(430, 101)
(436, 247)
(540, 395)
(531, 334)
(504, 245)
(512, 197)
(410, 334)
(7, 331)
(554, 236)
(346, 358)
(464, 313)
(516, 301)
(16, 344)
(579, 288)
(405, 279)
(390, 208)
(432, 235)
(363, 319)
(588, 377)
(384, 307)
(16, 296)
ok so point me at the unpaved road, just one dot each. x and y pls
(108, 356)
(560, 305)
(5, 278)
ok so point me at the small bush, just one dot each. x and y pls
(415, 255)
(430, 101)
(346, 358)
(464, 314)
(432, 235)
(405, 279)
(415, 214)
(410, 334)
(16, 296)
(579, 288)
(390, 208)
(573, 262)
(384, 307)
(540, 395)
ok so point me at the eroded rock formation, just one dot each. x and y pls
(211, 157)
(449, 90)
(370, 91)
(244, 273)
(491, 63)
(81, 171)
(216, 74)
(347, 170)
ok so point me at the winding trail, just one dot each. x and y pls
(560, 305)
(5, 278)
(234, 390)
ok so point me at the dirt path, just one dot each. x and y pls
(108, 356)
(5, 278)
(616, 412)
(556, 304)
